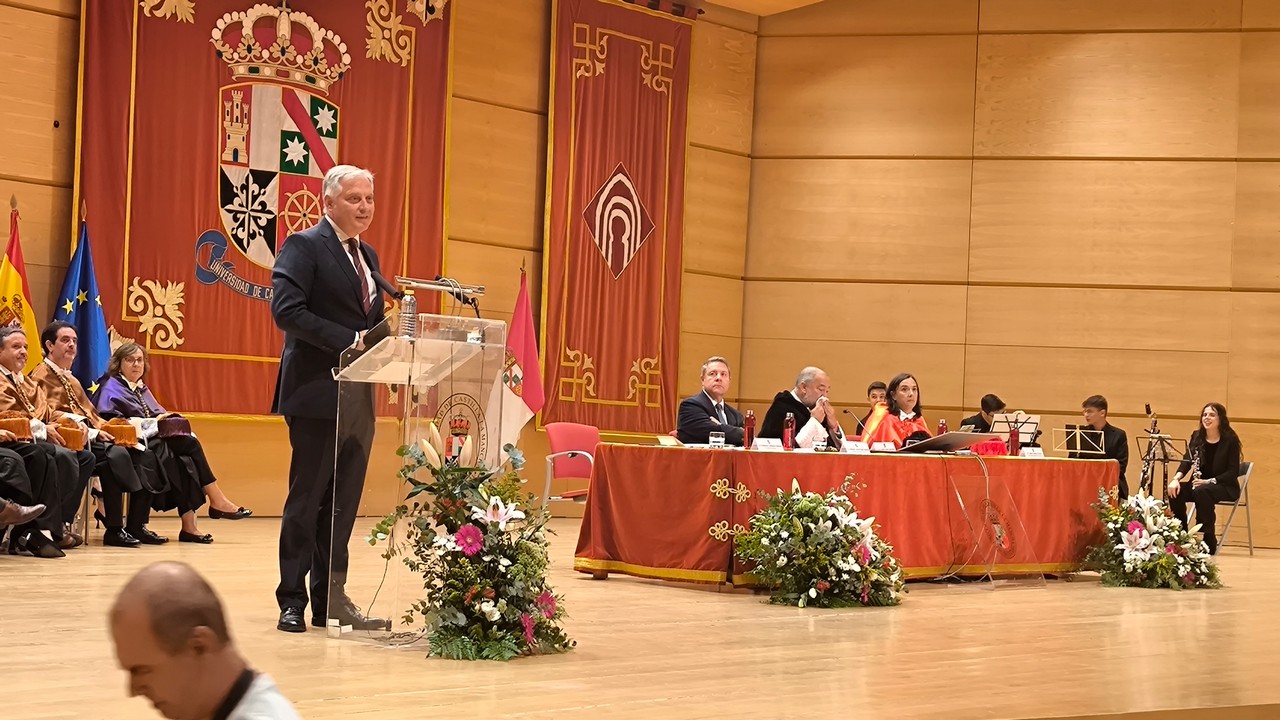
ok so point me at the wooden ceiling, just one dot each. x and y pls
(764, 7)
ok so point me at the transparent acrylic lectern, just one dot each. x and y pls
(449, 371)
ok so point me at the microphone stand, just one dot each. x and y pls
(465, 294)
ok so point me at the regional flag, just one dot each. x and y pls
(521, 376)
(80, 304)
(15, 294)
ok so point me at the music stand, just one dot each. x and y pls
(1028, 426)
(1078, 439)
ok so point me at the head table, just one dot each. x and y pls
(671, 513)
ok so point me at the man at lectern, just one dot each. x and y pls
(707, 412)
(325, 300)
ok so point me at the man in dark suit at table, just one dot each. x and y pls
(325, 300)
(1115, 443)
(707, 412)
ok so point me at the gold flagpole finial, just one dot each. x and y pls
(84, 210)
(13, 202)
(522, 266)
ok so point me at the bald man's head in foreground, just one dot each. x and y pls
(171, 637)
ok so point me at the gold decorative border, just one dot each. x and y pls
(699, 576)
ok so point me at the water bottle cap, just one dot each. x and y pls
(409, 291)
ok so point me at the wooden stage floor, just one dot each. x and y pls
(647, 649)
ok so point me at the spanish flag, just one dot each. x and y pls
(15, 293)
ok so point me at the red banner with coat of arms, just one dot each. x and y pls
(207, 127)
(619, 103)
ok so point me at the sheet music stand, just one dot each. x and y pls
(1028, 426)
(1078, 440)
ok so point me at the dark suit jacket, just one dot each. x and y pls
(694, 423)
(1226, 462)
(784, 402)
(978, 423)
(316, 302)
(1115, 446)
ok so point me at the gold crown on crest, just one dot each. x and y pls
(247, 41)
(459, 425)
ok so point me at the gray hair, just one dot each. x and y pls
(340, 174)
(808, 375)
(714, 359)
(8, 330)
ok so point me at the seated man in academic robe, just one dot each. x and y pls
(807, 402)
(122, 470)
(707, 412)
(70, 469)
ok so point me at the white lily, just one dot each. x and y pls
(1136, 546)
(429, 453)
(433, 434)
(490, 610)
(497, 512)
(467, 456)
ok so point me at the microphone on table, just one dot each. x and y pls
(385, 286)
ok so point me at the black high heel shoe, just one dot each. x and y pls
(99, 519)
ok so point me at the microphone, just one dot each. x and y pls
(459, 296)
(385, 286)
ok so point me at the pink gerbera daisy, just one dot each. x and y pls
(470, 540)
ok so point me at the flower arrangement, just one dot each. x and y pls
(1147, 547)
(483, 560)
(813, 549)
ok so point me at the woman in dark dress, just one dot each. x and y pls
(1210, 473)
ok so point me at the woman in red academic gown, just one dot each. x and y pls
(900, 417)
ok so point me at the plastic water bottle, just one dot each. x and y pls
(408, 315)
(1015, 440)
(749, 428)
(789, 432)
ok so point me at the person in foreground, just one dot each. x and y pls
(901, 418)
(990, 406)
(171, 637)
(707, 412)
(325, 300)
(814, 416)
(1115, 443)
(1209, 474)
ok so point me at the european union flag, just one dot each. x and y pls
(80, 305)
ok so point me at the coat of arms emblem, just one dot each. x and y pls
(278, 132)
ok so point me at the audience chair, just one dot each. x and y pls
(1246, 470)
(572, 445)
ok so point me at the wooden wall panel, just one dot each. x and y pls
(501, 52)
(805, 311)
(1108, 95)
(498, 269)
(695, 348)
(39, 53)
(1084, 15)
(716, 206)
(875, 17)
(1262, 448)
(1260, 14)
(1060, 378)
(1254, 391)
(1110, 319)
(722, 88)
(863, 219)
(1255, 255)
(44, 221)
(65, 8)
(497, 175)
(714, 14)
(1124, 223)
(1260, 95)
(711, 305)
(877, 96)
(771, 364)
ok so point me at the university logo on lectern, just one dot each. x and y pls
(278, 135)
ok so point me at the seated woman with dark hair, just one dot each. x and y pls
(1212, 471)
(899, 419)
(123, 395)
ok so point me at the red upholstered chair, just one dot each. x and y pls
(572, 445)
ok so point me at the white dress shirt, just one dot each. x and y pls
(264, 701)
(364, 263)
